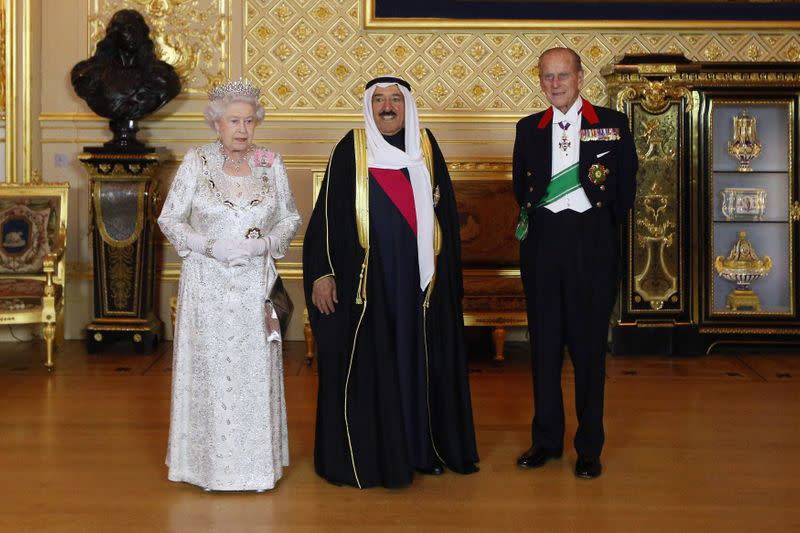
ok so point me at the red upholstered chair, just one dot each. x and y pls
(33, 232)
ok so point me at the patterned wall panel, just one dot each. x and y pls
(313, 56)
(191, 35)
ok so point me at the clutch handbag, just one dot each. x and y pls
(282, 304)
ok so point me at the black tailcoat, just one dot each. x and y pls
(533, 159)
(568, 264)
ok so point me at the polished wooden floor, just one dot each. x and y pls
(693, 444)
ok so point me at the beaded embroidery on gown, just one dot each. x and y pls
(228, 416)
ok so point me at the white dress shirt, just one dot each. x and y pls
(577, 199)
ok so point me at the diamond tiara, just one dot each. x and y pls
(240, 87)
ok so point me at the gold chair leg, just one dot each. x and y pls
(499, 336)
(49, 332)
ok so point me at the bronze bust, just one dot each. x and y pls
(123, 80)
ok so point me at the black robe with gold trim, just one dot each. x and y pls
(361, 436)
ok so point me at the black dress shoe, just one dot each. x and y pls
(434, 470)
(588, 467)
(536, 457)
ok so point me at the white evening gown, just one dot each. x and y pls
(228, 417)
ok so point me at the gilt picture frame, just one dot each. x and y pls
(576, 14)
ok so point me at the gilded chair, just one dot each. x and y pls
(33, 234)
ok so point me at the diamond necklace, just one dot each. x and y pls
(236, 163)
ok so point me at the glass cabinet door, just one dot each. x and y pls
(750, 193)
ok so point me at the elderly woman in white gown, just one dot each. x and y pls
(229, 214)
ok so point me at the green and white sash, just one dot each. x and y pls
(561, 185)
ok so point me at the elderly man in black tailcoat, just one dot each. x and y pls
(574, 175)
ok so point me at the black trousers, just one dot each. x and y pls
(569, 267)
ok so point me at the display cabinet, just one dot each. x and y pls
(710, 246)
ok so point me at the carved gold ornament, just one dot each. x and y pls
(744, 145)
(794, 211)
(120, 266)
(654, 96)
(654, 136)
(743, 267)
(190, 35)
(655, 283)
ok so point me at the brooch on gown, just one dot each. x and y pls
(253, 233)
(264, 158)
(436, 196)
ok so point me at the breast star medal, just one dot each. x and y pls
(597, 173)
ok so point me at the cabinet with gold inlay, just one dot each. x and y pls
(710, 248)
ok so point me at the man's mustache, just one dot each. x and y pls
(387, 114)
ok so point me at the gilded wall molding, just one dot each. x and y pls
(9, 73)
(191, 35)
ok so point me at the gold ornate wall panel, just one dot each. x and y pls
(313, 56)
(656, 251)
(191, 35)
(656, 255)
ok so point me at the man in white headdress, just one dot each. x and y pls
(383, 284)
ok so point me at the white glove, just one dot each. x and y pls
(196, 242)
(223, 250)
(226, 250)
(272, 246)
(261, 246)
(253, 247)
(250, 248)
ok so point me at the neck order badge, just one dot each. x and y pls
(564, 144)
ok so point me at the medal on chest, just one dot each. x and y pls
(564, 144)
